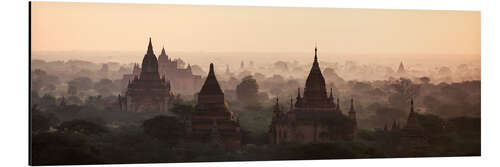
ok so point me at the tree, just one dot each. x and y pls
(82, 127)
(165, 128)
(247, 90)
(105, 86)
(82, 83)
(55, 148)
(72, 90)
(40, 121)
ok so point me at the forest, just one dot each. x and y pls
(75, 116)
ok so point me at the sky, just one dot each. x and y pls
(57, 26)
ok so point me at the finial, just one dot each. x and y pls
(277, 100)
(291, 102)
(352, 105)
(315, 52)
(411, 103)
(150, 47)
(211, 70)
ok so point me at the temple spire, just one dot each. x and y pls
(352, 105)
(277, 108)
(211, 86)
(315, 52)
(150, 47)
(291, 103)
(163, 53)
(412, 117)
(411, 103)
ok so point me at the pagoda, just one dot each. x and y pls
(315, 117)
(147, 92)
(212, 122)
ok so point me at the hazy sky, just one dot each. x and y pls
(126, 27)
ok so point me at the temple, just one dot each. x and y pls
(401, 68)
(182, 79)
(212, 122)
(315, 117)
(412, 137)
(146, 92)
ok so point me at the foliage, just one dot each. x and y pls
(63, 149)
(247, 90)
(165, 128)
(82, 127)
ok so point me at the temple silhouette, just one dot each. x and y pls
(181, 80)
(313, 118)
(212, 122)
(147, 91)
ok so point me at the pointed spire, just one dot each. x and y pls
(411, 103)
(315, 52)
(211, 86)
(163, 53)
(291, 103)
(401, 68)
(277, 108)
(150, 47)
(412, 117)
(352, 105)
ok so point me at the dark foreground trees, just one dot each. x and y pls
(164, 128)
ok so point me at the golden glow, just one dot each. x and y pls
(126, 27)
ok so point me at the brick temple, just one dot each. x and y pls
(212, 122)
(315, 117)
(147, 91)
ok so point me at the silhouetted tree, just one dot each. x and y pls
(63, 149)
(40, 121)
(164, 128)
(82, 127)
(247, 90)
(81, 83)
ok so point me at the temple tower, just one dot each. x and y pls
(147, 92)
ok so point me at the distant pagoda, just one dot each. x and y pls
(146, 92)
(315, 117)
(182, 79)
(401, 68)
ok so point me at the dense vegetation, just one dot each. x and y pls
(76, 119)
